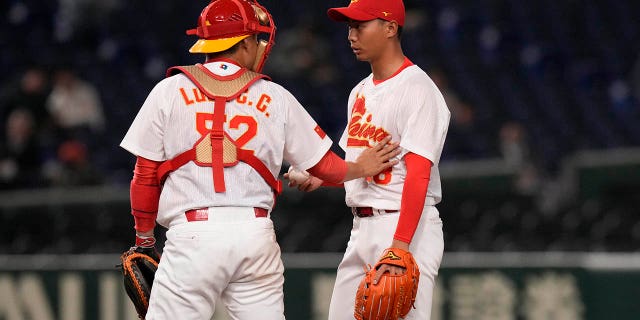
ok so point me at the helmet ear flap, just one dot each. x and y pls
(266, 26)
(260, 56)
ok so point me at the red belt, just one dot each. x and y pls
(363, 212)
(202, 214)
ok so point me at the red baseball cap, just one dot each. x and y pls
(365, 10)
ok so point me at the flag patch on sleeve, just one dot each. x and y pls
(320, 132)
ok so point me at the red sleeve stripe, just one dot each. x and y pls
(145, 194)
(414, 194)
(330, 168)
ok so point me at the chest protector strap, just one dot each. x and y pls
(216, 149)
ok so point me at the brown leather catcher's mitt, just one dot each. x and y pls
(393, 296)
(138, 269)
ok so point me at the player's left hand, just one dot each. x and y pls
(380, 298)
(391, 269)
(146, 244)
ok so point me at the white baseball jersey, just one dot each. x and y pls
(411, 109)
(266, 119)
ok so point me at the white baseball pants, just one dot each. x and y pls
(232, 258)
(369, 237)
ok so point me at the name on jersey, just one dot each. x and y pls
(195, 96)
(360, 129)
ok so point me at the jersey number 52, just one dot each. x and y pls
(204, 121)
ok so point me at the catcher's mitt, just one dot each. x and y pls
(138, 269)
(393, 296)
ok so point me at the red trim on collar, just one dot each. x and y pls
(407, 63)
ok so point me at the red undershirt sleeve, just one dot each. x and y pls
(145, 194)
(331, 169)
(414, 193)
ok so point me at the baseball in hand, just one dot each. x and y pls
(297, 176)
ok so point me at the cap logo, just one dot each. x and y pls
(386, 14)
(353, 1)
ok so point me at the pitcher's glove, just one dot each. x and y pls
(393, 296)
(138, 266)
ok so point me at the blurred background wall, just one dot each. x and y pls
(542, 155)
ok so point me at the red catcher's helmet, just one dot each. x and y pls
(223, 23)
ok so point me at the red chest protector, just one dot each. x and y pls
(216, 149)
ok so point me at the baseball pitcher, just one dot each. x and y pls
(396, 226)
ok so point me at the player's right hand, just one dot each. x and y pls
(307, 184)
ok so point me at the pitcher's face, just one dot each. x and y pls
(367, 38)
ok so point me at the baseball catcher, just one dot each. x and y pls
(138, 266)
(392, 297)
